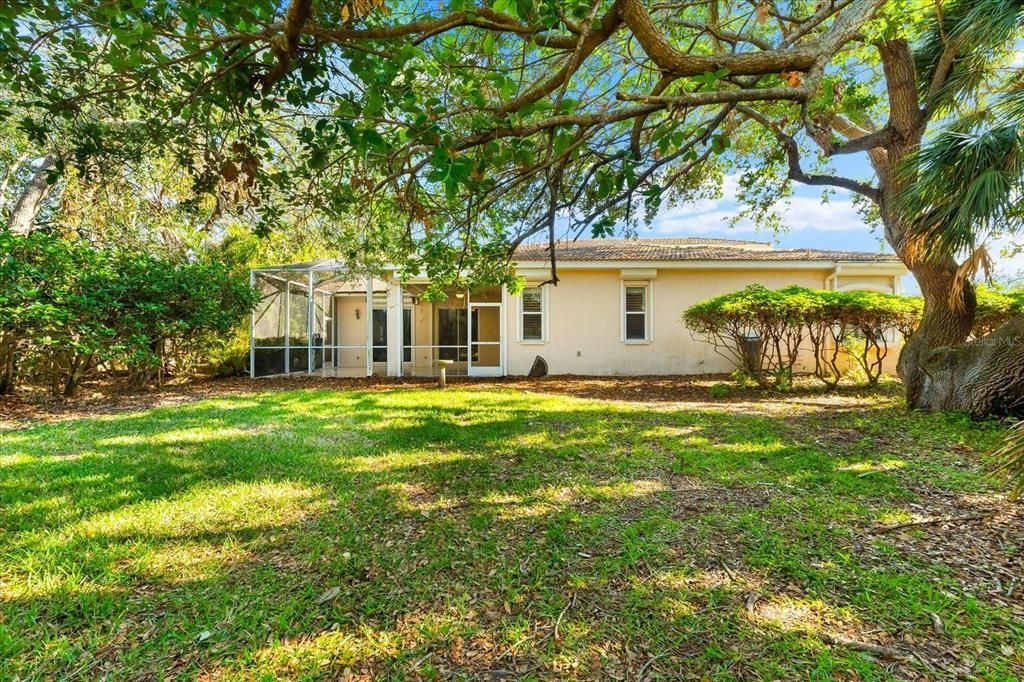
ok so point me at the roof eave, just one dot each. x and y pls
(798, 264)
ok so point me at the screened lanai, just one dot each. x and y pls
(321, 318)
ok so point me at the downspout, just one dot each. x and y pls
(832, 281)
(288, 327)
(369, 326)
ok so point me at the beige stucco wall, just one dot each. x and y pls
(350, 331)
(882, 283)
(422, 336)
(584, 316)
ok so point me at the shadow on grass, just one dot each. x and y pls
(451, 531)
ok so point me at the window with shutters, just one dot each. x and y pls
(532, 318)
(636, 312)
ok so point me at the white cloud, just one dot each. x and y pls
(804, 212)
(799, 212)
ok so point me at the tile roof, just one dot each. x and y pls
(688, 249)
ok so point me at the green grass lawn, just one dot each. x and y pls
(500, 534)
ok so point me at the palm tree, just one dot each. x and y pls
(969, 176)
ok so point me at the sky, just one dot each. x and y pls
(810, 223)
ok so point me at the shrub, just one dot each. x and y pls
(755, 328)
(41, 299)
(718, 391)
(995, 306)
(67, 308)
(230, 357)
(762, 331)
(873, 319)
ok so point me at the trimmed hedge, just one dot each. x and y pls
(763, 331)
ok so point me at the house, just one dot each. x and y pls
(616, 310)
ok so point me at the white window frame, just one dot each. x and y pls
(544, 305)
(648, 311)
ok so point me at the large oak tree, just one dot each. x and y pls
(486, 123)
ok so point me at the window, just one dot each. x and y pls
(635, 310)
(532, 328)
(406, 334)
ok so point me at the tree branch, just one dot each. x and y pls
(481, 17)
(796, 171)
(905, 115)
(287, 43)
(638, 124)
(724, 35)
(801, 58)
(695, 99)
(612, 116)
(863, 143)
(590, 41)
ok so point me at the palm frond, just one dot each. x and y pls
(975, 29)
(966, 186)
(1009, 106)
(1009, 457)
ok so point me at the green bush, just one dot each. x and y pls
(230, 357)
(755, 328)
(996, 305)
(719, 391)
(66, 308)
(763, 331)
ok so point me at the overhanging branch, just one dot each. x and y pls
(796, 171)
(695, 99)
(864, 143)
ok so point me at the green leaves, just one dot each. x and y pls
(994, 307)
(709, 79)
(765, 330)
(451, 169)
(506, 6)
(515, 8)
(978, 28)
(967, 187)
(70, 303)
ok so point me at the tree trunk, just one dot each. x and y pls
(23, 216)
(984, 377)
(940, 367)
(8, 363)
(943, 324)
(942, 370)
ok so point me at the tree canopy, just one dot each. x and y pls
(452, 127)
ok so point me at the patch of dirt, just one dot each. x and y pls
(104, 396)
